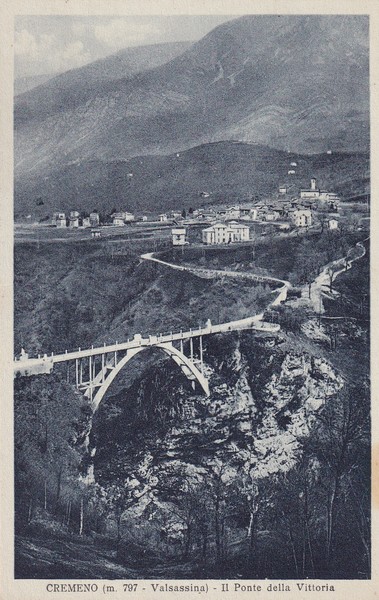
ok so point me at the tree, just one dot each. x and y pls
(342, 431)
(184, 214)
(122, 495)
(48, 420)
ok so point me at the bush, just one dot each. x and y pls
(290, 319)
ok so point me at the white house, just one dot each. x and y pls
(250, 214)
(94, 218)
(283, 189)
(74, 219)
(291, 172)
(178, 236)
(220, 233)
(122, 217)
(163, 217)
(86, 222)
(233, 212)
(59, 219)
(302, 217)
(333, 224)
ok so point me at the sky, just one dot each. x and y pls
(46, 45)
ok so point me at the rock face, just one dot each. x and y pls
(262, 406)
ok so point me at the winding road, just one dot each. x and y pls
(213, 273)
(314, 298)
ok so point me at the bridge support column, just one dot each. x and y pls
(76, 372)
(191, 349)
(201, 354)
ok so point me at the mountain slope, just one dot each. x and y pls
(76, 85)
(293, 82)
(228, 171)
(24, 84)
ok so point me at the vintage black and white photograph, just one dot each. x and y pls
(192, 298)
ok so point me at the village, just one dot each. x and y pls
(224, 224)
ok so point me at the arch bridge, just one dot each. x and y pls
(96, 368)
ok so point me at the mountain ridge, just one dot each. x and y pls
(293, 83)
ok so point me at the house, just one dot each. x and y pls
(59, 219)
(94, 218)
(332, 224)
(282, 189)
(270, 215)
(220, 233)
(74, 219)
(163, 217)
(144, 218)
(122, 217)
(239, 232)
(244, 212)
(232, 213)
(302, 217)
(291, 172)
(293, 164)
(96, 233)
(86, 222)
(179, 236)
(249, 214)
(118, 219)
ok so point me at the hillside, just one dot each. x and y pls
(76, 83)
(281, 442)
(229, 172)
(293, 82)
(26, 83)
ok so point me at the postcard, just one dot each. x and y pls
(189, 399)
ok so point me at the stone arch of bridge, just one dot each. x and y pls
(101, 383)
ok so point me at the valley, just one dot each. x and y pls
(191, 295)
(155, 438)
